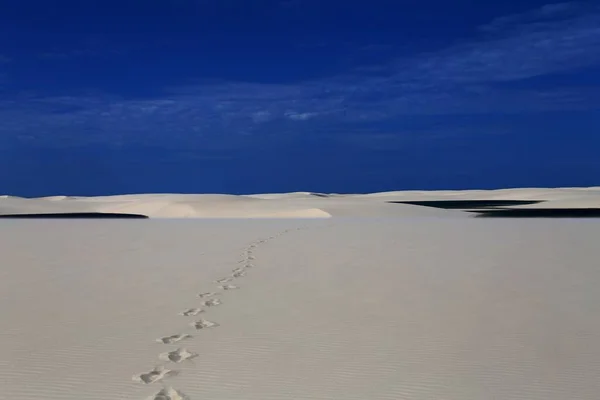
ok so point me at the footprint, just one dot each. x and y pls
(204, 324)
(173, 338)
(249, 265)
(212, 303)
(228, 287)
(238, 274)
(207, 294)
(224, 280)
(238, 270)
(177, 356)
(251, 258)
(191, 312)
(157, 374)
(168, 394)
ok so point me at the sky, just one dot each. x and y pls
(238, 96)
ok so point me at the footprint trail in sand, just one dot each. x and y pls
(209, 301)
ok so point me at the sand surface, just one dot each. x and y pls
(379, 301)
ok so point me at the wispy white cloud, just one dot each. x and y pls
(300, 116)
(466, 78)
(261, 116)
(547, 12)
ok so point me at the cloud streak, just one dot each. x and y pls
(467, 78)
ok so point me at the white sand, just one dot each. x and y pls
(290, 205)
(422, 304)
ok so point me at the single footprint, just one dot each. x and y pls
(251, 258)
(204, 324)
(191, 312)
(157, 374)
(249, 265)
(238, 274)
(228, 287)
(212, 303)
(173, 338)
(177, 356)
(238, 270)
(207, 294)
(224, 280)
(168, 394)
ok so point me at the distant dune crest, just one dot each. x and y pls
(299, 204)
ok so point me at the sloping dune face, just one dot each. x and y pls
(215, 206)
(166, 206)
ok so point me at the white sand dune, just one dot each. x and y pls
(291, 205)
(413, 303)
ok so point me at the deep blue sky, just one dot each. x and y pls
(247, 96)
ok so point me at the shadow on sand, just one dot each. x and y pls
(500, 208)
(539, 213)
(468, 204)
(82, 215)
